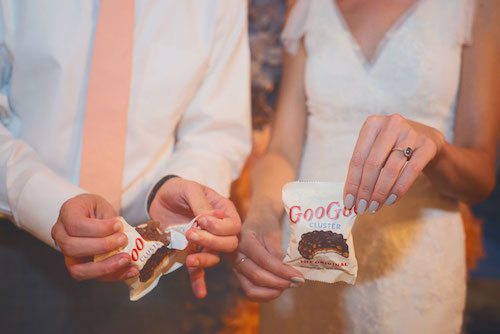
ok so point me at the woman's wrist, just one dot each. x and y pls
(442, 147)
(261, 212)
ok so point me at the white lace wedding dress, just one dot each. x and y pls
(411, 257)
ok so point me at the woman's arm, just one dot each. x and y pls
(281, 161)
(258, 261)
(466, 169)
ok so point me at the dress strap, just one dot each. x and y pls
(296, 25)
(468, 11)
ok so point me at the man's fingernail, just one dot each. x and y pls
(130, 274)
(195, 263)
(391, 199)
(122, 262)
(299, 281)
(361, 207)
(122, 239)
(349, 201)
(117, 227)
(373, 207)
(203, 221)
(194, 236)
(220, 213)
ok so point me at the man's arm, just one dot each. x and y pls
(214, 133)
(213, 142)
(29, 191)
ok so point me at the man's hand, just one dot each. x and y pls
(178, 201)
(87, 226)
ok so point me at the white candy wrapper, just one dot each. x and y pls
(142, 250)
(321, 245)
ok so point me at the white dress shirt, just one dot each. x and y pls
(189, 104)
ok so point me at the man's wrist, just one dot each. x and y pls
(155, 189)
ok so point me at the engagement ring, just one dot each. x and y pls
(406, 151)
(243, 259)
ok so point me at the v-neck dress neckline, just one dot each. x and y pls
(369, 63)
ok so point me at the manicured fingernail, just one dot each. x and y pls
(373, 207)
(117, 227)
(122, 240)
(293, 285)
(297, 280)
(391, 199)
(194, 236)
(349, 201)
(361, 207)
(122, 262)
(130, 274)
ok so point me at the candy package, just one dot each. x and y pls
(153, 252)
(321, 245)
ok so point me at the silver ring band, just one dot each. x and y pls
(243, 259)
(406, 151)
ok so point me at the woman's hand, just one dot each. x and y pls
(380, 170)
(258, 261)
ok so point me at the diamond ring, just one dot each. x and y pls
(406, 151)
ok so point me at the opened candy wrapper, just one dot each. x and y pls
(321, 245)
(153, 252)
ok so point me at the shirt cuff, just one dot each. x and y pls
(40, 202)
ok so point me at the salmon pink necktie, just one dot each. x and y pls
(105, 126)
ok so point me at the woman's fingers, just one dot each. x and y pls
(264, 259)
(386, 181)
(393, 129)
(377, 174)
(419, 159)
(257, 263)
(391, 172)
(261, 277)
(256, 293)
(369, 131)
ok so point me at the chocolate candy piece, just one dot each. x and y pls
(151, 231)
(317, 241)
(147, 271)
